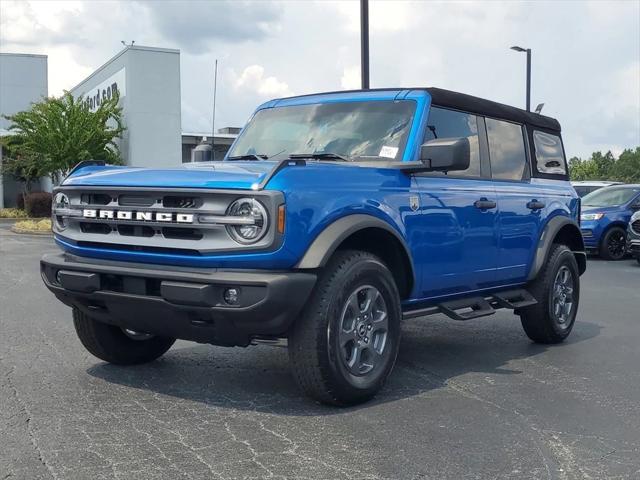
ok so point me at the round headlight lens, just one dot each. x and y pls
(59, 201)
(251, 209)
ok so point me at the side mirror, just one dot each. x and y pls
(446, 154)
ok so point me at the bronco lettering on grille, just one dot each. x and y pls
(139, 216)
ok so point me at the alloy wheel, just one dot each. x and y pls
(562, 297)
(616, 244)
(363, 332)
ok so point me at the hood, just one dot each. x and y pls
(605, 210)
(241, 175)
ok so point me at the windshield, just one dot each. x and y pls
(610, 197)
(371, 130)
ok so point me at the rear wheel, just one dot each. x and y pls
(116, 345)
(557, 289)
(614, 244)
(345, 344)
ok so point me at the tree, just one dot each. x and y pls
(24, 168)
(606, 167)
(627, 167)
(60, 132)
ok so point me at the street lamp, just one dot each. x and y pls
(364, 43)
(528, 51)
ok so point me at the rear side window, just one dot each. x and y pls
(506, 150)
(445, 123)
(549, 153)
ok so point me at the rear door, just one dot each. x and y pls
(522, 205)
(455, 244)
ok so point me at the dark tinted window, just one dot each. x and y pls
(451, 124)
(549, 154)
(506, 149)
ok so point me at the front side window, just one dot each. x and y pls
(610, 197)
(506, 150)
(365, 131)
(549, 153)
(445, 123)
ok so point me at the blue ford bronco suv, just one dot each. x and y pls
(332, 218)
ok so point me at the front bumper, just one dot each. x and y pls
(633, 247)
(179, 302)
(591, 232)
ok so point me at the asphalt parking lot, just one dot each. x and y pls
(466, 400)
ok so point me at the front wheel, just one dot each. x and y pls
(614, 244)
(345, 344)
(557, 289)
(116, 345)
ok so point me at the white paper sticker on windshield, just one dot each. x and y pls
(388, 152)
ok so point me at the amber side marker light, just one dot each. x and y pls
(281, 219)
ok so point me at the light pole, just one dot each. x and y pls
(528, 51)
(364, 43)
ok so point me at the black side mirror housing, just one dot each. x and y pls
(446, 154)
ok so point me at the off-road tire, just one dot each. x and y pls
(604, 251)
(111, 344)
(314, 351)
(539, 321)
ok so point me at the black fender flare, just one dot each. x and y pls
(327, 242)
(545, 242)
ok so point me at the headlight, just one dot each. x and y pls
(60, 205)
(251, 209)
(60, 201)
(591, 216)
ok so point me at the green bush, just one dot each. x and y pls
(38, 204)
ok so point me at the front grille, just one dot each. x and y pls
(140, 248)
(635, 226)
(174, 221)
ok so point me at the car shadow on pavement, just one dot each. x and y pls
(432, 353)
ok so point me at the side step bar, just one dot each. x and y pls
(476, 307)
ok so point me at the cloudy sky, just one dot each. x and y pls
(586, 55)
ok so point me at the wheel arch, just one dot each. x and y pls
(368, 233)
(564, 230)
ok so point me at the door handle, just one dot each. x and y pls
(484, 204)
(535, 205)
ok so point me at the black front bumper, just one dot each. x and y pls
(180, 302)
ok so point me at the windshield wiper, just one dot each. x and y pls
(250, 156)
(320, 156)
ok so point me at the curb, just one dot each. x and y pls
(10, 220)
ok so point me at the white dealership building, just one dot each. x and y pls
(148, 82)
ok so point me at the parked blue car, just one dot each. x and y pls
(333, 217)
(605, 217)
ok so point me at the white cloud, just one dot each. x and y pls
(351, 78)
(389, 16)
(253, 79)
(585, 62)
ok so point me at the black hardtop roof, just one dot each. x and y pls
(468, 103)
(481, 106)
